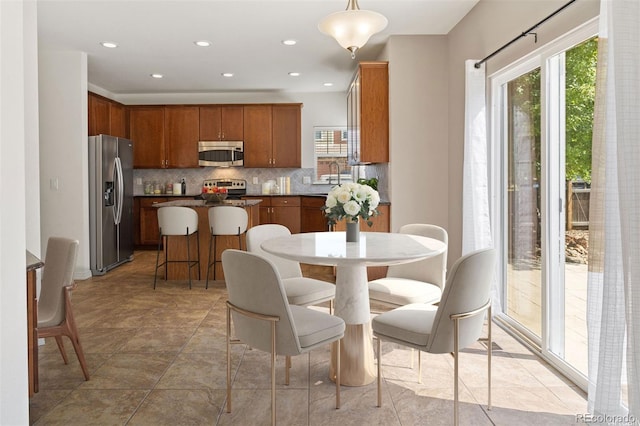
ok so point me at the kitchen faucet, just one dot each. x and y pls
(337, 168)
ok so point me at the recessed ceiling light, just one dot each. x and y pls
(202, 43)
(109, 44)
(227, 74)
(328, 84)
(157, 75)
(289, 42)
(294, 74)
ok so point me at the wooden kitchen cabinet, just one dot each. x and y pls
(286, 211)
(257, 136)
(181, 135)
(106, 117)
(286, 136)
(272, 135)
(164, 136)
(312, 218)
(281, 210)
(368, 114)
(222, 122)
(146, 129)
(99, 120)
(148, 220)
(118, 117)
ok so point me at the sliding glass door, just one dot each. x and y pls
(523, 225)
(541, 137)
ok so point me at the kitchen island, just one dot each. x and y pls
(177, 246)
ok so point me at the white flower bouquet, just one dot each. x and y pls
(351, 201)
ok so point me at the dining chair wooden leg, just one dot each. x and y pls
(71, 330)
(60, 344)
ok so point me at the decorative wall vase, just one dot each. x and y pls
(353, 232)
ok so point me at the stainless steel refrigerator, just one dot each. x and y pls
(110, 202)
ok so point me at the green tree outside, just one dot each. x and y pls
(580, 95)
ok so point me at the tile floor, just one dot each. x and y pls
(158, 358)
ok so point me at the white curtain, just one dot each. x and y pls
(613, 301)
(476, 221)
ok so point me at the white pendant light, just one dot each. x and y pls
(353, 27)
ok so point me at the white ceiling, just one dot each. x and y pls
(158, 37)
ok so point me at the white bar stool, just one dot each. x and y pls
(225, 220)
(176, 221)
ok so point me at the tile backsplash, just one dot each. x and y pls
(195, 177)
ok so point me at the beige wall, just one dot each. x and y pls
(418, 137)
(486, 27)
(64, 151)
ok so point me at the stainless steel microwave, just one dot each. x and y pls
(221, 153)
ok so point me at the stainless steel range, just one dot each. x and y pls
(236, 188)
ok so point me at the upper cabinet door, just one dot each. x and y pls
(146, 129)
(210, 123)
(221, 122)
(257, 136)
(181, 136)
(99, 122)
(368, 114)
(232, 123)
(286, 137)
(118, 114)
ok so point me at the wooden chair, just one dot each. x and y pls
(55, 314)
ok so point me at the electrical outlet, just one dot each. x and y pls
(255, 180)
(138, 181)
(53, 184)
(306, 180)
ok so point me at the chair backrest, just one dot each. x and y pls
(228, 220)
(432, 270)
(177, 220)
(253, 284)
(468, 288)
(258, 234)
(59, 264)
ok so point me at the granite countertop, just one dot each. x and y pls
(190, 197)
(202, 203)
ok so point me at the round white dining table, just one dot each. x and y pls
(357, 367)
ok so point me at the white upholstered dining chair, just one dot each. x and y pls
(300, 290)
(264, 319)
(453, 325)
(415, 282)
